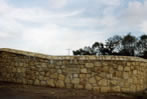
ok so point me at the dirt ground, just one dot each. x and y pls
(15, 91)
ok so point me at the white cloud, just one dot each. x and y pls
(4, 35)
(53, 39)
(52, 32)
(3, 7)
(38, 14)
(109, 3)
(134, 17)
(57, 3)
(49, 37)
(136, 12)
(143, 27)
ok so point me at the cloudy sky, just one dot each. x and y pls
(52, 26)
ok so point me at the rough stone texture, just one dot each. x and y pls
(98, 73)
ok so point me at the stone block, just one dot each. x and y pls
(130, 80)
(75, 75)
(84, 70)
(77, 86)
(69, 85)
(30, 82)
(103, 82)
(104, 89)
(47, 74)
(54, 76)
(21, 64)
(75, 80)
(61, 77)
(98, 64)
(97, 89)
(88, 87)
(113, 82)
(135, 80)
(109, 76)
(92, 80)
(134, 72)
(105, 69)
(67, 80)
(125, 75)
(44, 65)
(37, 82)
(43, 83)
(125, 90)
(23, 70)
(60, 84)
(41, 78)
(127, 68)
(98, 78)
(89, 65)
(42, 73)
(128, 64)
(51, 83)
(18, 70)
(119, 74)
(59, 71)
(105, 63)
(133, 88)
(116, 89)
(14, 70)
(120, 68)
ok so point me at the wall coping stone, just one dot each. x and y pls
(86, 57)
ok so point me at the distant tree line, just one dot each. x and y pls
(127, 45)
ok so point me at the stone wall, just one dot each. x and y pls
(98, 73)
